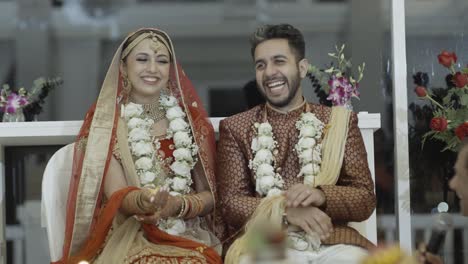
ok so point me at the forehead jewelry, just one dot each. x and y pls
(155, 45)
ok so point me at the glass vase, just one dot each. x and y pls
(348, 105)
(17, 116)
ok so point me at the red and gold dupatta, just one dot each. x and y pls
(87, 223)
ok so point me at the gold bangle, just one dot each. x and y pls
(195, 206)
(183, 208)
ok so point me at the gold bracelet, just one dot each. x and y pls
(183, 208)
(195, 206)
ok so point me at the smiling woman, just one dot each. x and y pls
(143, 180)
(146, 68)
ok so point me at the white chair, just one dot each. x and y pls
(55, 184)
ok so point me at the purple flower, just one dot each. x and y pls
(336, 95)
(341, 90)
(356, 92)
(14, 102)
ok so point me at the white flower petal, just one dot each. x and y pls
(143, 163)
(174, 112)
(181, 168)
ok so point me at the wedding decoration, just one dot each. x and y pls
(269, 181)
(335, 85)
(449, 106)
(21, 105)
(438, 127)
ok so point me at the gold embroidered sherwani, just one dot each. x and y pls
(351, 199)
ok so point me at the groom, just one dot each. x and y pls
(325, 204)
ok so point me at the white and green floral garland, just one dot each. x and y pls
(148, 162)
(308, 149)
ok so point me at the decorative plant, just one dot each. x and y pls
(11, 101)
(449, 106)
(335, 85)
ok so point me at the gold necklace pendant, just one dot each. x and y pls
(154, 112)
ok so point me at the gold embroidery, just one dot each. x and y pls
(165, 254)
(201, 249)
(82, 143)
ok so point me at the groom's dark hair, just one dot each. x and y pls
(281, 31)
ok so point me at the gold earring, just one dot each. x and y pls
(126, 83)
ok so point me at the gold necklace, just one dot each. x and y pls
(153, 111)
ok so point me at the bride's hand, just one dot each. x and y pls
(149, 219)
(155, 201)
(172, 207)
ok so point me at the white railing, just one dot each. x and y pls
(64, 132)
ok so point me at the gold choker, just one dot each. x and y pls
(154, 112)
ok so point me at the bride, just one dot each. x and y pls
(142, 188)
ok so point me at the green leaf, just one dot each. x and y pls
(446, 100)
(465, 70)
(464, 100)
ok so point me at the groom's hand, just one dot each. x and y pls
(310, 219)
(304, 195)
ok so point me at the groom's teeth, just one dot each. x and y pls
(275, 84)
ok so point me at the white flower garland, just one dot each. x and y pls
(148, 163)
(269, 182)
(141, 147)
(308, 148)
(185, 153)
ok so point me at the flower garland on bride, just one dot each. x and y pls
(148, 162)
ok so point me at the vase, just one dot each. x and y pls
(348, 105)
(17, 116)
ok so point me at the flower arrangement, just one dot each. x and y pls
(448, 106)
(335, 85)
(11, 101)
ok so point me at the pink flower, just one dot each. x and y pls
(356, 92)
(14, 102)
(336, 95)
(341, 90)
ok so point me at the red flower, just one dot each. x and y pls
(462, 131)
(447, 58)
(439, 124)
(460, 79)
(420, 91)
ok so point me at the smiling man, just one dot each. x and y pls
(312, 155)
